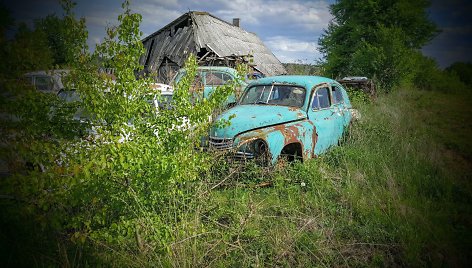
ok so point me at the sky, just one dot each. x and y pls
(290, 28)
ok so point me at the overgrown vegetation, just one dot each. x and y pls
(48, 45)
(132, 187)
(463, 70)
(302, 69)
(377, 39)
(395, 194)
(111, 180)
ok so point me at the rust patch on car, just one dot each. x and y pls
(314, 137)
(290, 133)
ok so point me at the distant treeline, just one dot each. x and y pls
(302, 69)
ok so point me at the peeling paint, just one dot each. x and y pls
(302, 131)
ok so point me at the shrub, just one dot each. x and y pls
(427, 76)
(463, 70)
(117, 188)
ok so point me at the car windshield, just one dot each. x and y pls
(206, 77)
(68, 95)
(197, 82)
(165, 102)
(43, 83)
(283, 95)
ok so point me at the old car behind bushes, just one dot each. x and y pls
(299, 117)
(362, 83)
(208, 78)
(47, 81)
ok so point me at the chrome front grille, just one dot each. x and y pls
(242, 156)
(226, 146)
(220, 143)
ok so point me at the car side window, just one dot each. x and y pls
(321, 99)
(337, 95)
(226, 77)
(216, 78)
(43, 83)
(213, 79)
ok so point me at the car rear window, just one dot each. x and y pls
(337, 95)
(321, 99)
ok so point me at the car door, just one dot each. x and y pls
(341, 118)
(322, 115)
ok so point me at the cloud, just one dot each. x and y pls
(310, 15)
(282, 24)
(96, 40)
(288, 49)
(27, 11)
(282, 43)
(102, 19)
(155, 17)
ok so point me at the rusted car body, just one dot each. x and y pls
(295, 116)
(360, 83)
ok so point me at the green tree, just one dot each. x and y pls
(463, 70)
(54, 31)
(429, 76)
(62, 34)
(375, 38)
(28, 51)
(53, 42)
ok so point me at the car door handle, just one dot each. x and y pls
(338, 112)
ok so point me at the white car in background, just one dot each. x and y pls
(162, 100)
(46, 81)
(166, 92)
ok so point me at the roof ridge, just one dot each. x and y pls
(215, 17)
(168, 25)
(188, 14)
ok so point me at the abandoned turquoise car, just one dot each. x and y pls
(297, 117)
(210, 77)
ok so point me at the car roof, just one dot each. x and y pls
(47, 72)
(300, 80)
(218, 68)
(213, 68)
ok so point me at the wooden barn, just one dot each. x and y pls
(214, 41)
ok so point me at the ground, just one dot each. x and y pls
(396, 192)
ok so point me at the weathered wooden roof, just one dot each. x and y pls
(195, 31)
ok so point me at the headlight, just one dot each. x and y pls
(259, 146)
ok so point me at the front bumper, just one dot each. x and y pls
(227, 147)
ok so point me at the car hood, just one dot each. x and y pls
(247, 117)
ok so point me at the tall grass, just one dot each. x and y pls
(397, 192)
(387, 196)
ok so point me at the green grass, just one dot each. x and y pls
(396, 193)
